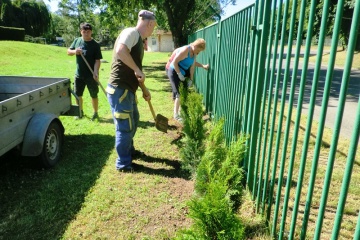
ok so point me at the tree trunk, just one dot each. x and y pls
(176, 17)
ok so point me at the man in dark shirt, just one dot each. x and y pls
(90, 49)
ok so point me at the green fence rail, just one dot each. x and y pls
(268, 78)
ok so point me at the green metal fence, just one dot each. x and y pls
(269, 81)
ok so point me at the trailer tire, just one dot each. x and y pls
(52, 146)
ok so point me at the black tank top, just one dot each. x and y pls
(121, 75)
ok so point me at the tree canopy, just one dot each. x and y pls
(109, 17)
(181, 17)
(32, 15)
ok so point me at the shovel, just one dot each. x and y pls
(161, 122)
(91, 70)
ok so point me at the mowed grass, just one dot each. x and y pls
(83, 197)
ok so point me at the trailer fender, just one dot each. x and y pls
(35, 133)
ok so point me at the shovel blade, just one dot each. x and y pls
(161, 123)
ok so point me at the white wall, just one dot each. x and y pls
(166, 43)
(160, 43)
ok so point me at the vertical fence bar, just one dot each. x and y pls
(342, 98)
(239, 91)
(258, 79)
(355, 134)
(261, 85)
(251, 92)
(244, 72)
(217, 63)
(237, 66)
(236, 80)
(271, 92)
(230, 78)
(288, 121)
(281, 115)
(311, 110)
(357, 229)
(319, 134)
(347, 176)
(266, 92)
(273, 120)
(226, 75)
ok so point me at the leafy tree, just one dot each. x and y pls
(32, 15)
(36, 17)
(181, 17)
(345, 22)
(333, 4)
(73, 13)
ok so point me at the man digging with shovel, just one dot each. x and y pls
(125, 77)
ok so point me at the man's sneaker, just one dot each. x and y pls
(82, 114)
(126, 169)
(133, 167)
(178, 118)
(137, 154)
(95, 116)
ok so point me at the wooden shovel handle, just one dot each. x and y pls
(152, 110)
(98, 82)
(143, 88)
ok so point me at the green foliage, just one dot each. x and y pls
(213, 219)
(31, 15)
(218, 188)
(231, 171)
(190, 154)
(192, 113)
(194, 130)
(223, 164)
(215, 152)
(181, 17)
(74, 12)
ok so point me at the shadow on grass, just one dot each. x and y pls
(39, 204)
(170, 169)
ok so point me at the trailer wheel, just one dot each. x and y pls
(52, 145)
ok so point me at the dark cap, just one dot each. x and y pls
(85, 26)
(145, 14)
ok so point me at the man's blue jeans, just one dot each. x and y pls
(125, 112)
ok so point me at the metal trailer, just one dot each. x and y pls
(29, 116)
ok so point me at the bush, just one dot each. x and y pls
(192, 114)
(211, 161)
(213, 218)
(231, 171)
(194, 130)
(9, 33)
(218, 178)
(222, 164)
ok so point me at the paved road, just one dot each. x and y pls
(351, 100)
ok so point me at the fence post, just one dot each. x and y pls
(217, 63)
(249, 94)
(268, 83)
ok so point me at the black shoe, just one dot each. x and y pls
(79, 117)
(137, 154)
(136, 166)
(128, 169)
(95, 116)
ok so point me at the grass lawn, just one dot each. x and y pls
(83, 197)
